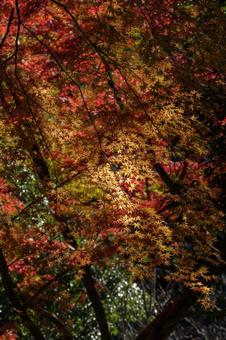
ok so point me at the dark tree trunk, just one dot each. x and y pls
(167, 320)
(15, 301)
(96, 303)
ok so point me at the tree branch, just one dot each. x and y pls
(55, 320)
(16, 303)
(7, 28)
(174, 188)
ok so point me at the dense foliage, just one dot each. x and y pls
(111, 165)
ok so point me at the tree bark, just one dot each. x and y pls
(167, 320)
(96, 303)
(15, 301)
(174, 188)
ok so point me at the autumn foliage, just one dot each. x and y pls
(112, 149)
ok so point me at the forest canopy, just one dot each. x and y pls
(112, 168)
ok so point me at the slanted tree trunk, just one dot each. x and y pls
(96, 303)
(15, 301)
(167, 320)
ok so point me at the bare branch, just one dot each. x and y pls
(7, 28)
